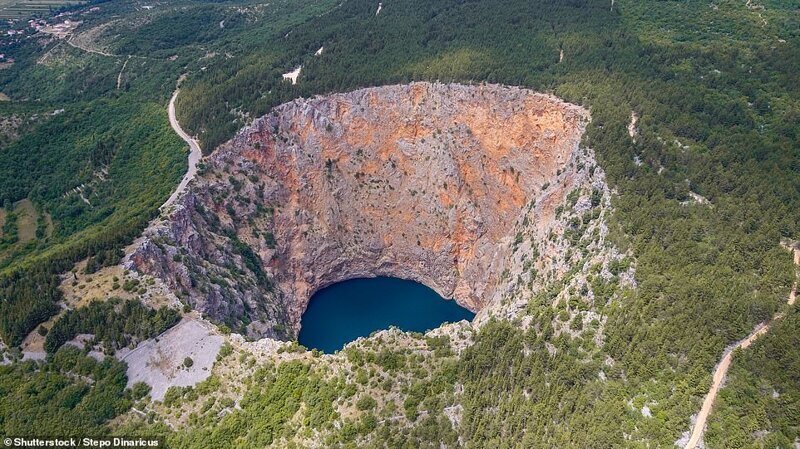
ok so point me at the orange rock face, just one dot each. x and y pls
(427, 182)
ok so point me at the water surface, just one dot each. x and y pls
(345, 311)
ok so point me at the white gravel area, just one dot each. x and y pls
(33, 355)
(159, 362)
(293, 75)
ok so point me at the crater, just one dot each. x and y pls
(441, 184)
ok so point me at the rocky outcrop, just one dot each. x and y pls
(442, 184)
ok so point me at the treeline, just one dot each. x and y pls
(71, 395)
(104, 258)
(28, 297)
(123, 192)
(29, 291)
(114, 323)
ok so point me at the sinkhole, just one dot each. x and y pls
(457, 187)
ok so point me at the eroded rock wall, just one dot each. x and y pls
(431, 182)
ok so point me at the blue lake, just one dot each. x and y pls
(341, 313)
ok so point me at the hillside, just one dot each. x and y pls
(600, 324)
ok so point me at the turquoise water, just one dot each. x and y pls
(345, 311)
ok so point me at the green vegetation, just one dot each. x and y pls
(22, 9)
(717, 91)
(716, 94)
(102, 166)
(115, 324)
(70, 395)
(366, 402)
(760, 404)
(109, 163)
(99, 170)
(274, 396)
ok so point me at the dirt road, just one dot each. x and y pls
(119, 77)
(725, 363)
(195, 154)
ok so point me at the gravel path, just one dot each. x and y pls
(725, 363)
(195, 154)
(119, 77)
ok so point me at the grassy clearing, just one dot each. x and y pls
(26, 220)
(22, 227)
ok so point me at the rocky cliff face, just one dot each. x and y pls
(442, 184)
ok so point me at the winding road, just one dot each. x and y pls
(722, 369)
(195, 154)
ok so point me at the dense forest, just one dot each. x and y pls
(97, 161)
(717, 92)
(760, 405)
(70, 395)
(109, 166)
(114, 324)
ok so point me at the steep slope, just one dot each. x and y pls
(437, 183)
